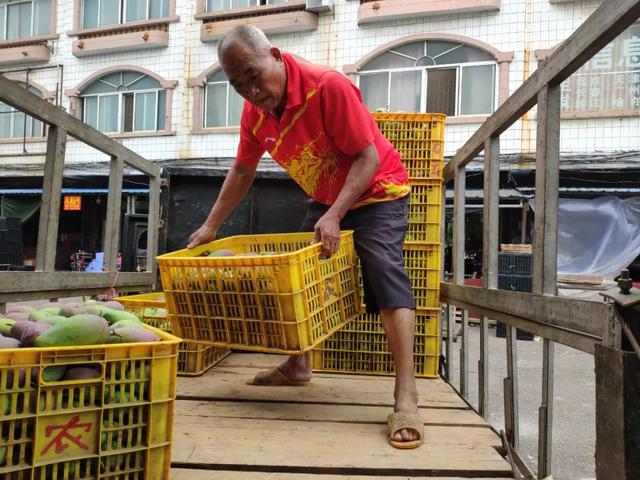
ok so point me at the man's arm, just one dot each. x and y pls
(360, 174)
(234, 188)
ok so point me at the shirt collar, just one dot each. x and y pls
(295, 85)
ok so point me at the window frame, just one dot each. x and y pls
(122, 12)
(6, 6)
(12, 121)
(256, 4)
(205, 104)
(423, 84)
(121, 107)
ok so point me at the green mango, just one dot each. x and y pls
(53, 373)
(114, 339)
(5, 404)
(5, 325)
(3, 455)
(77, 330)
(51, 310)
(54, 319)
(126, 323)
(41, 315)
(114, 316)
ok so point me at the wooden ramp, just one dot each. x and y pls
(332, 429)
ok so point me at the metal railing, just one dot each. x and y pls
(576, 323)
(45, 282)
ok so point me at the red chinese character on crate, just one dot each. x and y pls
(64, 434)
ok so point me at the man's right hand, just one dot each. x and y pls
(204, 234)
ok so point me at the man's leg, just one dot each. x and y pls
(399, 325)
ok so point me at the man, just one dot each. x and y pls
(313, 122)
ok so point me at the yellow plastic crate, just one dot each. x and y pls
(286, 302)
(361, 347)
(419, 138)
(193, 359)
(118, 425)
(422, 264)
(425, 211)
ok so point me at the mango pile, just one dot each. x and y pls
(71, 324)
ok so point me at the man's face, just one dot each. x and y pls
(260, 79)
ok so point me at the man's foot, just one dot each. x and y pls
(295, 371)
(406, 407)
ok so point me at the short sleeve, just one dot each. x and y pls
(345, 116)
(250, 150)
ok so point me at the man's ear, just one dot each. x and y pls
(276, 53)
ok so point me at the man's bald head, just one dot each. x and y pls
(247, 36)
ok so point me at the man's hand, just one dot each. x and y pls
(328, 232)
(204, 234)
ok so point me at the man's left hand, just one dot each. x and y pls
(327, 231)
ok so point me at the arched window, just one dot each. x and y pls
(16, 124)
(430, 76)
(217, 5)
(222, 104)
(22, 19)
(124, 102)
(99, 13)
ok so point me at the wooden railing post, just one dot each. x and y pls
(153, 223)
(458, 255)
(545, 249)
(114, 212)
(51, 192)
(490, 231)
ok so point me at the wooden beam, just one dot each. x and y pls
(153, 223)
(459, 226)
(545, 242)
(491, 213)
(483, 369)
(19, 286)
(114, 212)
(50, 205)
(605, 24)
(576, 323)
(510, 383)
(464, 355)
(25, 101)
(545, 412)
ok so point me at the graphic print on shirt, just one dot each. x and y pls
(315, 171)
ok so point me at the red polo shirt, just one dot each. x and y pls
(325, 125)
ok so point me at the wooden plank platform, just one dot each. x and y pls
(332, 429)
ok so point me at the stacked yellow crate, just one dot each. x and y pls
(361, 346)
(193, 358)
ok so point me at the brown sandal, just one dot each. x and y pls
(275, 378)
(410, 421)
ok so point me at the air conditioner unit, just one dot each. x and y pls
(319, 5)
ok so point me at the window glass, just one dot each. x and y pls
(108, 113)
(136, 10)
(415, 50)
(41, 17)
(109, 12)
(389, 60)
(90, 107)
(216, 105)
(405, 91)
(441, 91)
(463, 54)
(3, 21)
(5, 120)
(162, 107)
(90, 13)
(236, 103)
(477, 89)
(158, 8)
(375, 90)
(145, 111)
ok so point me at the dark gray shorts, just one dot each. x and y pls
(379, 230)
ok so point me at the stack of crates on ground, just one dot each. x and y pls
(515, 273)
(267, 293)
(193, 358)
(114, 425)
(11, 249)
(361, 347)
